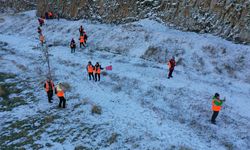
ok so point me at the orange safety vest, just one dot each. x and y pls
(98, 70)
(215, 107)
(90, 69)
(60, 92)
(81, 39)
(47, 86)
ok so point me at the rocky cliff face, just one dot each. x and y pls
(17, 5)
(229, 19)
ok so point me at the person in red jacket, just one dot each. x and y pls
(49, 88)
(171, 65)
(216, 107)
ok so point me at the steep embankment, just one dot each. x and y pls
(140, 107)
(226, 18)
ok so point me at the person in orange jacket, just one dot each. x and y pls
(49, 88)
(82, 41)
(216, 107)
(171, 65)
(90, 69)
(97, 71)
(60, 94)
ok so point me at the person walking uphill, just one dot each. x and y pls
(73, 46)
(90, 70)
(60, 94)
(49, 88)
(216, 107)
(98, 69)
(171, 65)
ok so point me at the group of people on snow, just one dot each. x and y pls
(94, 71)
(82, 40)
(59, 91)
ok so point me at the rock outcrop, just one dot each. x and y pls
(15, 6)
(229, 19)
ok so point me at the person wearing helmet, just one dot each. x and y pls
(216, 106)
(171, 65)
(90, 70)
(98, 69)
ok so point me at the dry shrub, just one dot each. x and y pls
(117, 87)
(113, 138)
(96, 110)
(180, 62)
(209, 49)
(154, 53)
(104, 73)
(2, 91)
(66, 86)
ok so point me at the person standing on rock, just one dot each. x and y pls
(171, 65)
(49, 88)
(60, 94)
(73, 46)
(98, 69)
(216, 107)
(90, 70)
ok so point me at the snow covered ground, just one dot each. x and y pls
(141, 108)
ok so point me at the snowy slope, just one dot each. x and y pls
(141, 108)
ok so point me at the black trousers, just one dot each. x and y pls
(50, 95)
(73, 50)
(62, 100)
(214, 116)
(91, 75)
(97, 75)
(170, 72)
(82, 44)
